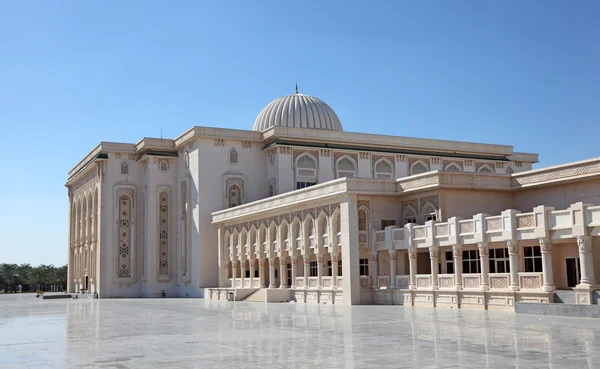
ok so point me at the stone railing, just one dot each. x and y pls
(247, 283)
(530, 281)
(313, 282)
(446, 281)
(383, 281)
(299, 282)
(379, 236)
(423, 281)
(471, 281)
(229, 282)
(402, 282)
(339, 282)
(326, 282)
(237, 283)
(255, 282)
(365, 281)
(499, 281)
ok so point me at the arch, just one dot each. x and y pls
(419, 167)
(410, 214)
(124, 167)
(244, 236)
(429, 211)
(306, 170)
(284, 235)
(336, 225)
(273, 239)
(262, 238)
(253, 244)
(323, 228)
(485, 169)
(363, 219)
(309, 231)
(345, 166)
(296, 234)
(234, 193)
(227, 244)
(163, 166)
(232, 156)
(384, 169)
(453, 167)
(510, 170)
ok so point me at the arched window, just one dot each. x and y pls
(362, 220)
(410, 215)
(510, 170)
(306, 171)
(452, 167)
(271, 190)
(235, 196)
(485, 169)
(345, 168)
(429, 212)
(233, 156)
(338, 229)
(383, 169)
(124, 167)
(418, 168)
(164, 166)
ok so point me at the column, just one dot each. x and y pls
(484, 258)
(374, 269)
(586, 261)
(233, 272)
(243, 271)
(546, 248)
(513, 260)
(282, 272)
(392, 269)
(252, 264)
(271, 272)
(334, 270)
(294, 270)
(457, 253)
(261, 272)
(412, 267)
(306, 270)
(434, 257)
(319, 270)
(349, 251)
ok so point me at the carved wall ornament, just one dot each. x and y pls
(457, 251)
(545, 244)
(434, 252)
(584, 244)
(365, 203)
(483, 249)
(401, 158)
(513, 246)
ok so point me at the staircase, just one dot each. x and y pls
(257, 296)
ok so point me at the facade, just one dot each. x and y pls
(297, 209)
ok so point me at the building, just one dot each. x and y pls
(298, 209)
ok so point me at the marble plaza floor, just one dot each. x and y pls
(198, 333)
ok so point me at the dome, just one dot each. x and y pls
(298, 111)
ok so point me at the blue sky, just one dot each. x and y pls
(72, 74)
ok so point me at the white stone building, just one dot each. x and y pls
(298, 209)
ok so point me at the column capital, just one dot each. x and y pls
(434, 252)
(272, 262)
(334, 257)
(483, 248)
(294, 259)
(584, 243)
(457, 251)
(412, 253)
(393, 253)
(513, 246)
(374, 255)
(545, 244)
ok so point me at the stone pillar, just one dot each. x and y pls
(334, 270)
(546, 248)
(392, 269)
(349, 250)
(261, 272)
(294, 270)
(319, 270)
(243, 271)
(282, 272)
(271, 272)
(374, 268)
(412, 267)
(233, 271)
(484, 256)
(251, 262)
(457, 253)
(306, 270)
(434, 257)
(221, 256)
(586, 261)
(513, 259)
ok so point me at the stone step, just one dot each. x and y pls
(579, 311)
(258, 296)
(565, 297)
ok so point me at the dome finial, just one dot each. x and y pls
(296, 87)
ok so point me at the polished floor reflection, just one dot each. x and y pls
(197, 333)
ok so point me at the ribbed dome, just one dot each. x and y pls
(298, 111)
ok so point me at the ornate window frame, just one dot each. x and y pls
(419, 162)
(124, 167)
(233, 156)
(163, 166)
(451, 166)
(383, 175)
(163, 272)
(482, 168)
(343, 173)
(306, 178)
(129, 190)
(231, 178)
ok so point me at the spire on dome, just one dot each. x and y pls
(296, 87)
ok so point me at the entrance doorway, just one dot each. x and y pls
(85, 283)
(573, 274)
(289, 275)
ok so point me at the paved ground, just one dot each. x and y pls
(197, 333)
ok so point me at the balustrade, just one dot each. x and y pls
(499, 281)
(423, 281)
(530, 281)
(383, 281)
(402, 282)
(446, 281)
(471, 281)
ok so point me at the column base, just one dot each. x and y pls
(458, 287)
(548, 288)
(587, 287)
(513, 288)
